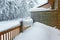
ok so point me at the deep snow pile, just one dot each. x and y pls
(39, 31)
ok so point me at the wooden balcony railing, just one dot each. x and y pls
(10, 34)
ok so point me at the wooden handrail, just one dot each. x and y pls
(9, 30)
(10, 34)
(42, 5)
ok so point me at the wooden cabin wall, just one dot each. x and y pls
(57, 12)
(59, 4)
(48, 17)
(58, 23)
(51, 18)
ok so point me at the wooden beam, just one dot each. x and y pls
(52, 2)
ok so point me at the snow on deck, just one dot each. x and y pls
(39, 31)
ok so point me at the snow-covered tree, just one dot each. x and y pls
(12, 9)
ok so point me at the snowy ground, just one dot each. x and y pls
(39, 31)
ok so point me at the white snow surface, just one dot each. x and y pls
(39, 31)
(39, 9)
(5, 25)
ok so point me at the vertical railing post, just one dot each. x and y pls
(2, 37)
(9, 34)
(21, 26)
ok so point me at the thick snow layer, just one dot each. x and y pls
(39, 31)
(27, 22)
(5, 25)
(39, 9)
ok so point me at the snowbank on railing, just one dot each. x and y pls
(5, 25)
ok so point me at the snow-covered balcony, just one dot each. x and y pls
(17, 9)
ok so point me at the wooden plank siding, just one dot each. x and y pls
(51, 18)
(59, 4)
(58, 15)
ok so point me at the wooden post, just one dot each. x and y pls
(21, 26)
(52, 2)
